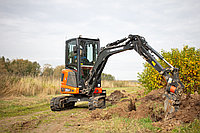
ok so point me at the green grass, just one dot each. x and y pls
(146, 123)
(23, 106)
(15, 110)
(193, 127)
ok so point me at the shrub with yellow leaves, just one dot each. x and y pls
(188, 62)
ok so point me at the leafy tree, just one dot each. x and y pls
(19, 67)
(24, 67)
(3, 69)
(35, 69)
(188, 62)
(57, 71)
(108, 77)
(47, 70)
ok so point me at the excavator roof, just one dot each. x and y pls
(92, 39)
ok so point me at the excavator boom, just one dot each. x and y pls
(174, 85)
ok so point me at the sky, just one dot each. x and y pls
(37, 29)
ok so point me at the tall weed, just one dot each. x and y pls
(118, 83)
(33, 86)
(28, 86)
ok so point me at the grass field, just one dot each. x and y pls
(32, 114)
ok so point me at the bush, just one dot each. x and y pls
(188, 62)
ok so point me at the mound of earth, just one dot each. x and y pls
(151, 106)
(189, 111)
(116, 96)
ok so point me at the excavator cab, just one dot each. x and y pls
(80, 57)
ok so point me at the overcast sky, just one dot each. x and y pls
(37, 29)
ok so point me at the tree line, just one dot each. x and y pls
(21, 67)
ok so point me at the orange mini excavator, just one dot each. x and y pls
(85, 61)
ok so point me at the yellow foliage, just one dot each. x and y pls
(188, 62)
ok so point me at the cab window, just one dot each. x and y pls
(72, 53)
(88, 52)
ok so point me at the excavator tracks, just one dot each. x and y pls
(96, 102)
(61, 103)
(68, 102)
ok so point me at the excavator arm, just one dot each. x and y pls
(174, 86)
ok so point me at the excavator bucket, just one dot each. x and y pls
(168, 108)
(171, 104)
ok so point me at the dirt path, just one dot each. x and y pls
(63, 121)
(46, 121)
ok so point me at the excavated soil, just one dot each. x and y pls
(151, 106)
(116, 96)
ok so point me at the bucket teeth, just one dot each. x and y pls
(171, 104)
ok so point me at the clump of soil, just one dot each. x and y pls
(123, 109)
(189, 109)
(116, 96)
(131, 106)
(151, 106)
(100, 115)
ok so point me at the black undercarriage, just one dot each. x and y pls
(68, 102)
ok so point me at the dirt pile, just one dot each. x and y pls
(189, 111)
(116, 96)
(100, 115)
(123, 109)
(151, 106)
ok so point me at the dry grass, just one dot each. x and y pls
(118, 83)
(33, 86)
(28, 86)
